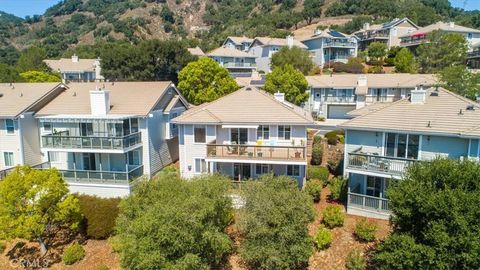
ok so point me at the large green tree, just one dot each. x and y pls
(405, 61)
(377, 51)
(32, 59)
(442, 50)
(205, 80)
(8, 74)
(34, 203)
(40, 76)
(312, 9)
(460, 80)
(435, 218)
(295, 56)
(274, 224)
(171, 223)
(287, 80)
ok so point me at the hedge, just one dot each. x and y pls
(99, 215)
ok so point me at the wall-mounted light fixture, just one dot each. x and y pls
(189, 167)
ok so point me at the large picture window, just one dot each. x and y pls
(402, 145)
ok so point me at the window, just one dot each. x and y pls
(374, 186)
(173, 126)
(8, 159)
(263, 133)
(238, 135)
(10, 126)
(86, 129)
(47, 126)
(293, 170)
(134, 158)
(134, 124)
(262, 169)
(284, 132)
(402, 145)
(199, 135)
(53, 156)
(200, 165)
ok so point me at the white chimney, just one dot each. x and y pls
(279, 96)
(74, 58)
(418, 95)
(366, 26)
(99, 102)
(451, 24)
(362, 80)
(289, 41)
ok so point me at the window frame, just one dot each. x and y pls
(201, 170)
(263, 168)
(284, 132)
(408, 142)
(10, 158)
(7, 126)
(261, 131)
(204, 134)
(292, 173)
(135, 154)
(45, 124)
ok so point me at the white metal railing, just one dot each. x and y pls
(238, 64)
(90, 142)
(345, 99)
(377, 163)
(339, 44)
(368, 202)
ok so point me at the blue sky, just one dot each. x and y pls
(23, 8)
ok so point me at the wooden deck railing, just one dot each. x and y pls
(290, 153)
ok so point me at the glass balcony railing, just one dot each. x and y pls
(243, 151)
(83, 142)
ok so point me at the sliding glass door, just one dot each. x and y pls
(239, 135)
(402, 145)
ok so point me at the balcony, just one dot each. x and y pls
(256, 152)
(344, 99)
(378, 164)
(238, 65)
(339, 44)
(62, 141)
(98, 176)
(365, 202)
(412, 42)
(373, 35)
(474, 54)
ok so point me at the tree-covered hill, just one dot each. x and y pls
(203, 22)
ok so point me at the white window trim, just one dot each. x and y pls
(293, 175)
(269, 169)
(195, 165)
(283, 138)
(269, 133)
(193, 131)
(5, 161)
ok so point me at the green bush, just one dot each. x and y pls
(314, 189)
(318, 172)
(99, 214)
(355, 260)
(73, 254)
(333, 216)
(3, 246)
(365, 230)
(335, 165)
(323, 238)
(102, 267)
(317, 154)
(334, 136)
(338, 188)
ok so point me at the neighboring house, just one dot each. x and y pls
(388, 33)
(196, 52)
(239, 43)
(381, 144)
(333, 96)
(76, 69)
(473, 57)
(102, 138)
(19, 137)
(415, 38)
(331, 46)
(238, 63)
(263, 48)
(244, 135)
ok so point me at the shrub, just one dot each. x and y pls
(333, 216)
(334, 136)
(73, 254)
(375, 69)
(99, 214)
(274, 224)
(318, 172)
(317, 154)
(323, 238)
(338, 188)
(332, 140)
(3, 246)
(335, 165)
(115, 243)
(317, 140)
(365, 230)
(314, 189)
(355, 260)
(102, 267)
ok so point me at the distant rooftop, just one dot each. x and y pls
(229, 52)
(196, 51)
(278, 42)
(73, 64)
(443, 26)
(373, 80)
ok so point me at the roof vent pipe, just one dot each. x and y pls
(279, 96)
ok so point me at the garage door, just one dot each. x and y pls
(339, 111)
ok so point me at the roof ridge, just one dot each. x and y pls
(283, 104)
